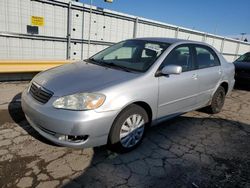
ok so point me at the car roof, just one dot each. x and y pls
(165, 40)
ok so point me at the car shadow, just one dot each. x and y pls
(171, 155)
(17, 115)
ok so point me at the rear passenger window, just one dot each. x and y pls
(180, 56)
(206, 57)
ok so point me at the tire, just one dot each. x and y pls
(217, 101)
(124, 136)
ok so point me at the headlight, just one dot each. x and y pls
(80, 101)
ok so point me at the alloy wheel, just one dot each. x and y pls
(132, 130)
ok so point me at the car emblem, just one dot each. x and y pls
(37, 91)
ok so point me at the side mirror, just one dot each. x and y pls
(171, 69)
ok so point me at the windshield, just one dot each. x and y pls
(133, 55)
(244, 58)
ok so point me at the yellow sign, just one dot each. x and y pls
(37, 21)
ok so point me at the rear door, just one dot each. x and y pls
(208, 71)
(177, 93)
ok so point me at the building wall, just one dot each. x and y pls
(66, 30)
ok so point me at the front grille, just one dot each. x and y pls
(39, 93)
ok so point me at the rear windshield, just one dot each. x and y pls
(244, 58)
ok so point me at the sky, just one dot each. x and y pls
(221, 17)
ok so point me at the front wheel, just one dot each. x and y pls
(128, 129)
(217, 101)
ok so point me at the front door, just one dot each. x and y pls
(177, 93)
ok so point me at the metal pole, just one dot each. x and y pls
(177, 32)
(90, 20)
(82, 31)
(69, 30)
(135, 28)
(222, 45)
(237, 50)
(204, 37)
(215, 31)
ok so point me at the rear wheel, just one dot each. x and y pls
(217, 101)
(128, 129)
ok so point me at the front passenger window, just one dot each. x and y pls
(180, 56)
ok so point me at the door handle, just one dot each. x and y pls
(195, 76)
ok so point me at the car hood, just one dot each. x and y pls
(80, 77)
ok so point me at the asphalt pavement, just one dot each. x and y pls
(193, 150)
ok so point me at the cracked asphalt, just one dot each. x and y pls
(194, 150)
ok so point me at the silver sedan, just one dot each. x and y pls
(112, 97)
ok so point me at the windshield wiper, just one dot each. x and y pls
(106, 64)
(92, 60)
(97, 62)
(117, 66)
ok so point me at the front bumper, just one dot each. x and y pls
(54, 123)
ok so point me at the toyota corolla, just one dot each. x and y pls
(112, 97)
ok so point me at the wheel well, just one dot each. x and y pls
(225, 86)
(146, 107)
(142, 104)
